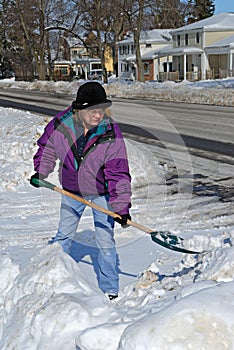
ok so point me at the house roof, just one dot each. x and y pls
(165, 51)
(62, 62)
(226, 42)
(145, 55)
(74, 42)
(149, 36)
(221, 21)
(178, 51)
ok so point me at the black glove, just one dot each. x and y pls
(123, 220)
(36, 176)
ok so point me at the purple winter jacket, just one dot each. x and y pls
(103, 167)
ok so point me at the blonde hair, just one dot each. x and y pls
(108, 112)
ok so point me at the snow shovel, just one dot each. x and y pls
(163, 238)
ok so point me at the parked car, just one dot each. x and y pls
(95, 75)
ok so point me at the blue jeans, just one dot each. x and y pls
(71, 211)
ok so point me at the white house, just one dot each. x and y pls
(150, 41)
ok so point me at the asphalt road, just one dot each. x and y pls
(205, 128)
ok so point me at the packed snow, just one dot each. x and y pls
(167, 300)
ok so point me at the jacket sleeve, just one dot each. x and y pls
(45, 157)
(117, 175)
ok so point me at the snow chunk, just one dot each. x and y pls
(203, 320)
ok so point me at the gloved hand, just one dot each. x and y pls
(123, 220)
(36, 176)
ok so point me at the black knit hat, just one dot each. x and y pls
(89, 95)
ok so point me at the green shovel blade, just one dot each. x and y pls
(170, 241)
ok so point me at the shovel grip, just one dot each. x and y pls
(43, 183)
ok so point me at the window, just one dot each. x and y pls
(186, 39)
(94, 66)
(63, 70)
(124, 67)
(126, 50)
(121, 50)
(197, 38)
(178, 40)
(148, 46)
(74, 54)
(132, 49)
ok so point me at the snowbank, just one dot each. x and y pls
(215, 92)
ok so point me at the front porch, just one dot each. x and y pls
(195, 64)
(195, 76)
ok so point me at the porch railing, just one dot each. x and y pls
(210, 74)
(172, 76)
(225, 73)
(195, 76)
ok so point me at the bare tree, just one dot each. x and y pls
(31, 34)
(169, 14)
(33, 29)
(134, 11)
(4, 61)
(103, 24)
(108, 20)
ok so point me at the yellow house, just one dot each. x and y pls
(204, 49)
(82, 63)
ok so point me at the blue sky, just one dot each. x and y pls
(224, 6)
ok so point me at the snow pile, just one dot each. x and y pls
(51, 304)
(40, 85)
(52, 298)
(214, 92)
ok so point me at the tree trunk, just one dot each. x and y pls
(101, 48)
(139, 63)
(41, 49)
